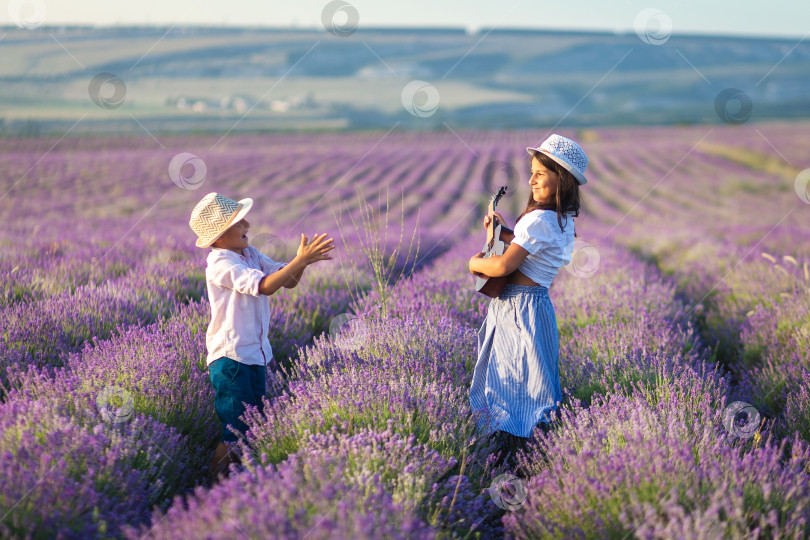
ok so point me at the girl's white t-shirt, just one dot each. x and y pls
(549, 248)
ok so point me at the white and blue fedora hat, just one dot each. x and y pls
(565, 152)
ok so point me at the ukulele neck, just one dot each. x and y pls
(491, 214)
(491, 226)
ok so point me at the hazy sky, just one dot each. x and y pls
(783, 18)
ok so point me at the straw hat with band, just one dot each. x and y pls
(214, 214)
(565, 152)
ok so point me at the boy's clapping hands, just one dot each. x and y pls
(309, 252)
(316, 250)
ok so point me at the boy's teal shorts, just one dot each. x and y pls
(234, 383)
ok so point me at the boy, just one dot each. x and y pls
(237, 276)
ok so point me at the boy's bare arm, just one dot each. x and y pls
(294, 280)
(280, 278)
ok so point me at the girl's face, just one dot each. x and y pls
(543, 182)
(235, 238)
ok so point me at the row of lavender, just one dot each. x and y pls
(753, 309)
(116, 187)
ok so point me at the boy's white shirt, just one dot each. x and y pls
(240, 314)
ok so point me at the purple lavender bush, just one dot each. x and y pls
(776, 341)
(723, 283)
(620, 325)
(301, 313)
(425, 403)
(419, 478)
(409, 374)
(42, 268)
(68, 472)
(306, 496)
(797, 409)
(17, 285)
(45, 331)
(626, 466)
(163, 368)
(431, 299)
(448, 347)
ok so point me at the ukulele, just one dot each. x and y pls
(492, 286)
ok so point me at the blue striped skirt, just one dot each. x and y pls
(517, 376)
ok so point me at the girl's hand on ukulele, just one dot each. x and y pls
(317, 249)
(498, 220)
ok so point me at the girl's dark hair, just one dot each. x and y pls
(567, 197)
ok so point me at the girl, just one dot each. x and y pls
(516, 376)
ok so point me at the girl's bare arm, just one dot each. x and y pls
(499, 265)
(507, 235)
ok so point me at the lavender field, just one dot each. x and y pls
(684, 324)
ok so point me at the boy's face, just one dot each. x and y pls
(235, 238)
